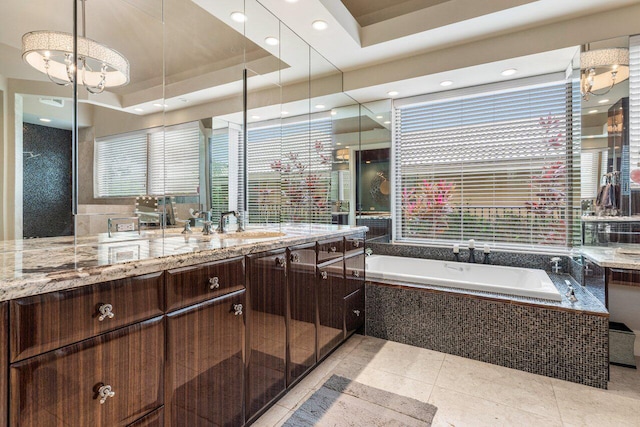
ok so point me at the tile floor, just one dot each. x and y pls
(470, 393)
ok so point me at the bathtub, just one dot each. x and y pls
(476, 277)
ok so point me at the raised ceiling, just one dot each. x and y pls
(368, 12)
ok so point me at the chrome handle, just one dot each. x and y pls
(237, 309)
(280, 262)
(105, 392)
(356, 312)
(356, 243)
(295, 257)
(356, 273)
(324, 275)
(214, 283)
(333, 249)
(106, 311)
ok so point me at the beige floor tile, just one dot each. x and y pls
(522, 390)
(588, 406)
(271, 418)
(459, 410)
(400, 359)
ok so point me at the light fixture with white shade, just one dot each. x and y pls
(602, 69)
(51, 52)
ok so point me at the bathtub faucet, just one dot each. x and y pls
(456, 252)
(487, 252)
(472, 249)
(368, 252)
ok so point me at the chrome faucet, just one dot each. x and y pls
(472, 249)
(368, 252)
(223, 216)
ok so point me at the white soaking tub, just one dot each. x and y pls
(523, 282)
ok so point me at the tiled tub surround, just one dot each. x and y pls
(38, 266)
(568, 343)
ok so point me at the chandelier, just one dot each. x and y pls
(51, 53)
(602, 69)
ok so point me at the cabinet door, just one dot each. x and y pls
(354, 273)
(330, 285)
(266, 325)
(4, 363)
(205, 363)
(63, 387)
(302, 311)
(354, 310)
(154, 419)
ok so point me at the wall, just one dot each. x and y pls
(47, 209)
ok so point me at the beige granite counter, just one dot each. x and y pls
(31, 267)
(614, 256)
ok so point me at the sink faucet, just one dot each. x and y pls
(223, 216)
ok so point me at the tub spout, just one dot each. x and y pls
(368, 252)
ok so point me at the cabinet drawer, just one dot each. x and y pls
(354, 311)
(190, 285)
(63, 387)
(354, 271)
(620, 276)
(330, 249)
(154, 419)
(45, 322)
(354, 244)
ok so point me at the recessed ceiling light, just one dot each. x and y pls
(593, 111)
(319, 106)
(255, 117)
(319, 25)
(271, 41)
(337, 143)
(509, 72)
(603, 101)
(392, 93)
(387, 122)
(334, 112)
(160, 105)
(368, 161)
(379, 117)
(291, 1)
(346, 146)
(45, 120)
(446, 83)
(284, 113)
(139, 110)
(238, 16)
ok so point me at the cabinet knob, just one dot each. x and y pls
(214, 283)
(324, 275)
(280, 262)
(295, 257)
(104, 393)
(106, 311)
(356, 312)
(356, 273)
(356, 243)
(237, 309)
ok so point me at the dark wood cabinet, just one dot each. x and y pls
(301, 352)
(72, 386)
(331, 290)
(354, 273)
(330, 249)
(45, 322)
(4, 363)
(266, 329)
(154, 419)
(354, 311)
(191, 285)
(354, 244)
(205, 363)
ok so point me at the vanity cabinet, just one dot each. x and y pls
(4, 363)
(205, 363)
(110, 380)
(330, 288)
(154, 419)
(301, 355)
(45, 322)
(266, 328)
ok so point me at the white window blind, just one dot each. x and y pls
(634, 109)
(498, 167)
(593, 164)
(219, 172)
(289, 169)
(174, 160)
(120, 165)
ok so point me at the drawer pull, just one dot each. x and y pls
(356, 312)
(106, 311)
(280, 262)
(333, 249)
(105, 392)
(356, 273)
(237, 309)
(356, 243)
(295, 257)
(324, 275)
(214, 283)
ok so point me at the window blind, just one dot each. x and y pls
(289, 169)
(593, 164)
(174, 160)
(219, 172)
(495, 166)
(120, 165)
(634, 109)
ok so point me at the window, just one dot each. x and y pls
(289, 172)
(219, 171)
(152, 161)
(495, 164)
(593, 165)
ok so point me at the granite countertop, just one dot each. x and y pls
(37, 266)
(614, 256)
